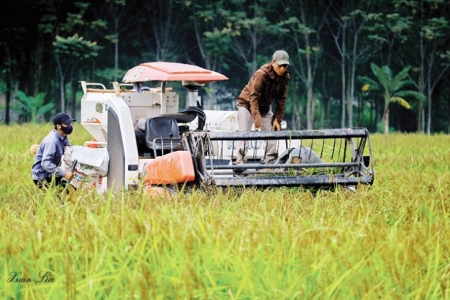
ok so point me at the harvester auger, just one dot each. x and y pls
(312, 158)
(149, 138)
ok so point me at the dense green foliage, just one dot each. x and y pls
(331, 43)
(386, 242)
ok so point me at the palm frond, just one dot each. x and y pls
(400, 76)
(414, 94)
(373, 85)
(46, 108)
(382, 76)
(401, 101)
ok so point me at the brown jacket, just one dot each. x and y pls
(264, 87)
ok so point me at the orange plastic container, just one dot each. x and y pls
(175, 167)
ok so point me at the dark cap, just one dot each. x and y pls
(62, 118)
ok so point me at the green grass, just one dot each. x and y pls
(387, 242)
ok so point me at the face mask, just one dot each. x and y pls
(67, 130)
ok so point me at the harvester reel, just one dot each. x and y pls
(319, 159)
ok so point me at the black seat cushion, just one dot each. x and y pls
(196, 111)
(188, 115)
(161, 133)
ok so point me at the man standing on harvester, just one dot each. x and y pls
(50, 151)
(269, 83)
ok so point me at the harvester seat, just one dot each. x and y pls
(162, 135)
(188, 115)
(196, 111)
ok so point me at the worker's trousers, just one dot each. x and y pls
(245, 122)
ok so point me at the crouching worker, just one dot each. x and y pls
(50, 151)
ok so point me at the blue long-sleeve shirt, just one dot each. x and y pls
(48, 156)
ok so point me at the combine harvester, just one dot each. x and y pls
(150, 139)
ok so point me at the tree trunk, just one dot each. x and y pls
(429, 111)
(386, 113)
(352, 83)
(116, 49)
(8, 95)
(360, 111)
(386, 121)
(74, 90)
(254, 42)
(327, 113)
(419, 116)
(349, 105)
(343, 81)
(310, 99)
(8, 87)
(420, 104)
(309, 80)
(372, 121)
(61, 85)
(422, 112)
(61, 94)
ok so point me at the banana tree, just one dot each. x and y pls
(33, 107)
(392, 88)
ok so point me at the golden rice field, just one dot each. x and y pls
(388, 242)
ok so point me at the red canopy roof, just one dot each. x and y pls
(170, 71)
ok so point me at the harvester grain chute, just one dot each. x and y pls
(150, 139)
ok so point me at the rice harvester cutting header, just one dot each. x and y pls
(150, 139)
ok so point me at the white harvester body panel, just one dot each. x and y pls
(128, 107)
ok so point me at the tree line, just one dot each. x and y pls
(383, 65)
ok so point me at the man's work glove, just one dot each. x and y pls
(275, 125)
